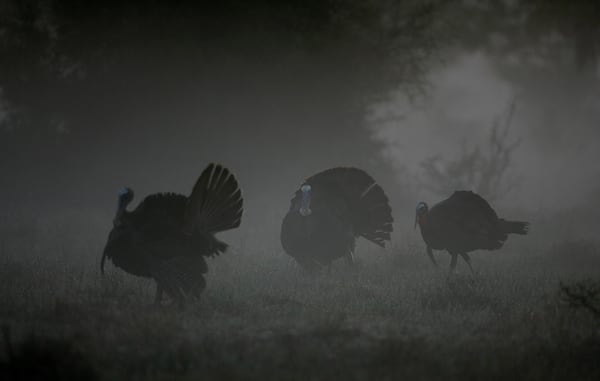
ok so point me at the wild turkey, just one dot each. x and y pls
(168, 235)
(329, 211)
(462, 223)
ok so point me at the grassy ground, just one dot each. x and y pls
(392, 317)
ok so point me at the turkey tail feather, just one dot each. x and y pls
(514, 227)
(376, 223)
(216, 202)
(372, 214)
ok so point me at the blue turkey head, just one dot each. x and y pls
(421, 211)
(125, 197)
(305, 203)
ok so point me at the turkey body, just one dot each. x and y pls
(168, 236)
(462, 223)
(344, 203)
(320, 238)
(152, 234)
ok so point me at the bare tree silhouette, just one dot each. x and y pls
(485, 168)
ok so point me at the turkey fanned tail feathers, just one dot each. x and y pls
(215, 203)
(371, 212)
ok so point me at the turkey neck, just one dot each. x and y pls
(423, 221)
(121, 205)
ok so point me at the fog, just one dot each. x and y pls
(555, 123)
(95, 99)
(277, 122)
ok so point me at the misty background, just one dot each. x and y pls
(99, 96)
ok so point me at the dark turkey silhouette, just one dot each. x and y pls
(462, 223)
(329, 211)
(168, 235)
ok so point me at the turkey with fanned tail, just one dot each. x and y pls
(329, 211)
(168, 235)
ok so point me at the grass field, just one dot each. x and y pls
(261, 318)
